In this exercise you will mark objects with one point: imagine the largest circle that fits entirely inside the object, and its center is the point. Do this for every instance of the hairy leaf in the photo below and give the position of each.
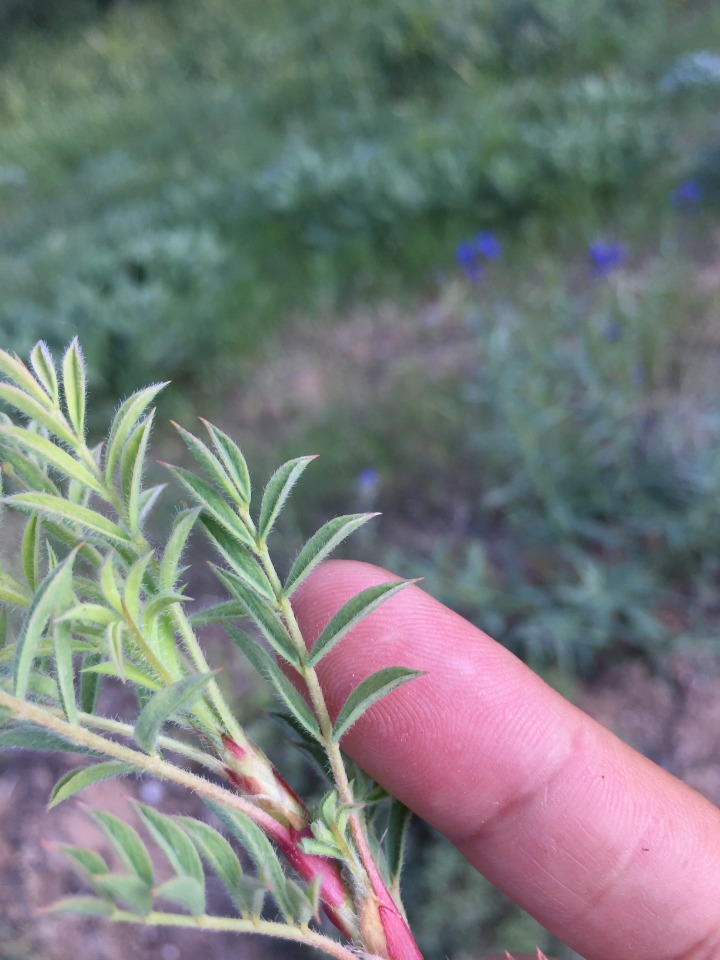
(186, 891)
(351, 613)
(368, 692)
(124, 889)
(12, 592)
(174, 843)
(53, 455)
(266, 619)
(221, 858)
(44, 367)
(211, 465)
(88, 906)
(90, 683)
(16, 371)
(321, 544)
(163, 704)
(73, 369)
(277, 491)
(243, 564)
(175, 547)
(268, 668)
(211, 501)
(91, 521)
(88, 861)
(260, 850)
(125, 422)
(133, 489)
(38, 411)
(63, 643)
(25, 472)
(127, 843)
(395, 840)
(232, 458)
(50, 595)
(27, 737)
(130, 672)
(77, 780)
(31, 551)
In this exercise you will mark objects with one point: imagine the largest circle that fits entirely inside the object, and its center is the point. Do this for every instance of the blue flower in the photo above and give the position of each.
(606, 257)
(688, 193)
(367, 481)
(487, 245)
(470, 255)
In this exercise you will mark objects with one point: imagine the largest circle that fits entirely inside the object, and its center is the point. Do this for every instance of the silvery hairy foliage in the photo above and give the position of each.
(91, 600)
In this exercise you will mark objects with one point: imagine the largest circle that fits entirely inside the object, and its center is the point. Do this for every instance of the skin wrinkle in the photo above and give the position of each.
(480, 728)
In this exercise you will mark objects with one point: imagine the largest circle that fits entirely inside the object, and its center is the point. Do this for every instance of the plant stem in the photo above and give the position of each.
(235, 925)
(154, 765)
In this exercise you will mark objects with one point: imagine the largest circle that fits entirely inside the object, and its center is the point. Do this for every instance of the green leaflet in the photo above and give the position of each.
(124, 889)
(232, 458)
(88, 861)
(186, 891)
(351, 613)
(368, 692)
(57, 508)
(321, 544)
(220, 857)
(12, 592)
(211, 465)
(211, 501)
(175, 547)
(77, 780)
(266, 619)
(129, 672)
(53, 592)
(38, 411)
(127, 843)
(243, 563)
(132, 469)
(53, 455)
(73, 379)
(31, 551)
(395, 837)
(44, 367)
(261, 853)
(269, 670)
(277, 491)
(26, 737)
(162, 705)
(25, 472)
(15, 370)
(174, 843)
(124, 423)
(87, 906)
(63, 643)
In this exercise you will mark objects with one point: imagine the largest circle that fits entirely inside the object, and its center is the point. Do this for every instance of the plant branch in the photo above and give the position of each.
(234, 925)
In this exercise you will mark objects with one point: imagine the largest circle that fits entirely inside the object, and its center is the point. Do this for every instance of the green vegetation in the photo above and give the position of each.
(232, 184)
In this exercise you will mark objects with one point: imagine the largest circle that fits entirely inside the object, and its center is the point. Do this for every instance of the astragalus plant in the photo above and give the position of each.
(91, 599)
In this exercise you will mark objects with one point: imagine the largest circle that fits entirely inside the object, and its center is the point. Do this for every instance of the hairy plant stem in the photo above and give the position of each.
(154, 765)
(234, 925)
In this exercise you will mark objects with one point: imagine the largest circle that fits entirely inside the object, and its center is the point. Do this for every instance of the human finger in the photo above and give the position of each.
(607, 850)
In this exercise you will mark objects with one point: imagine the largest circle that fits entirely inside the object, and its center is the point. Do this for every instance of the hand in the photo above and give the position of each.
(609, 852)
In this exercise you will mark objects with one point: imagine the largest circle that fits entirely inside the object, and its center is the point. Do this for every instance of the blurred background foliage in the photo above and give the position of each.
(199, 190)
